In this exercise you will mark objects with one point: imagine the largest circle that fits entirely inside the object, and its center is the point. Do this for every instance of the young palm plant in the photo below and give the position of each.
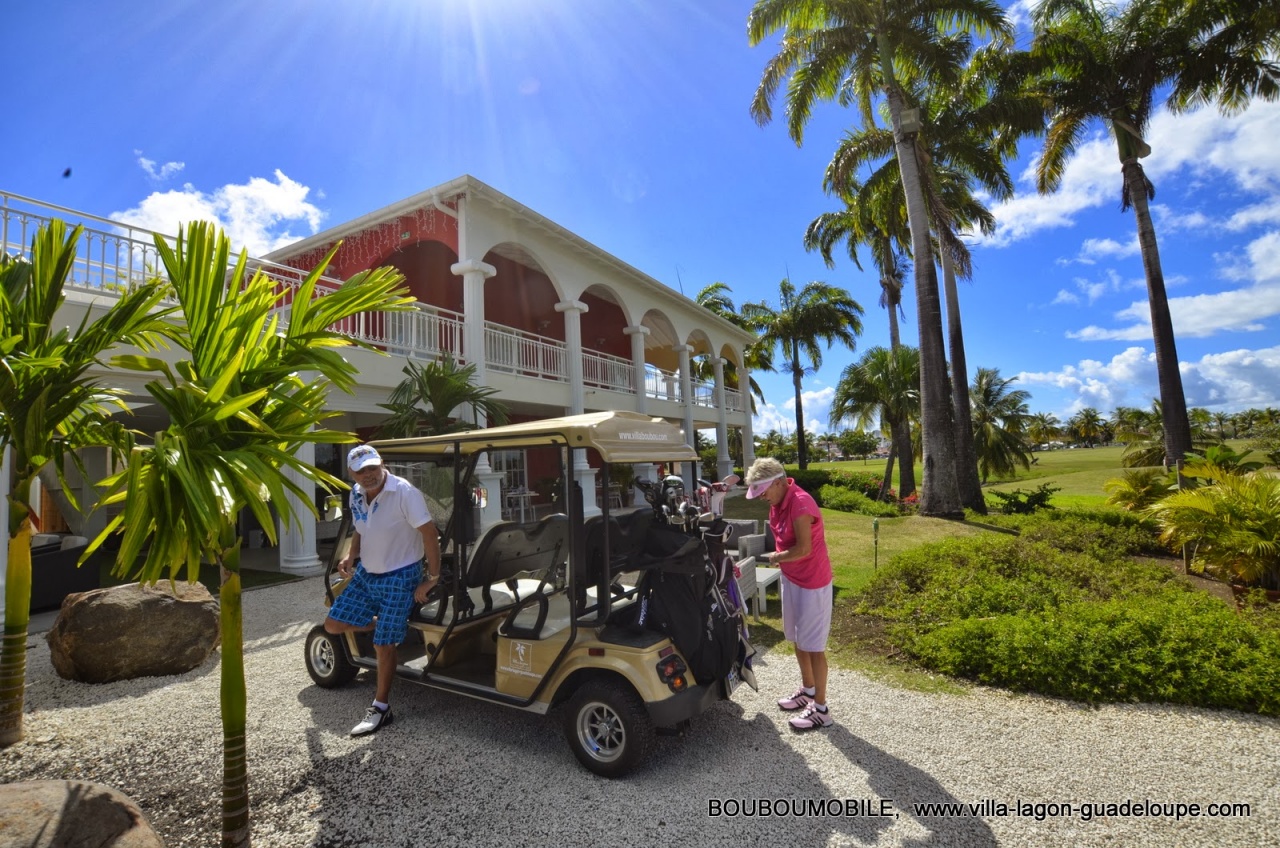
(253, 389)
(1138, 488)
(1232, 524)
(50, 406)
(424, 401)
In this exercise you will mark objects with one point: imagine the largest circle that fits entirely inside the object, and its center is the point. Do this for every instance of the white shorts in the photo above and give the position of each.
(806, 615)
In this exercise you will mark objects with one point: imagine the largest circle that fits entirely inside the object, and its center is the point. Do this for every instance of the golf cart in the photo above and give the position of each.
(624, 621)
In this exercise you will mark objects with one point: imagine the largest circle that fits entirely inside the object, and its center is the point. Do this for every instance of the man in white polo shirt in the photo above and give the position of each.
(394, 531)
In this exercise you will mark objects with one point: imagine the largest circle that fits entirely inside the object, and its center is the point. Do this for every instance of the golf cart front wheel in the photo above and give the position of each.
(608, 728)
(327, 660)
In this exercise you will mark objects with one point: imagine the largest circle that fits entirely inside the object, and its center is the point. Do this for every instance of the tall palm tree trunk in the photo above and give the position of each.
(235, 765)
(802, 448)
(899, 431)
(887, 482)
(901, 434)
(940, 495)
(1177, 427)
(966, 457)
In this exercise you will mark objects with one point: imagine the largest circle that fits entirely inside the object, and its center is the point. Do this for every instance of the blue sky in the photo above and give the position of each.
(626, 121)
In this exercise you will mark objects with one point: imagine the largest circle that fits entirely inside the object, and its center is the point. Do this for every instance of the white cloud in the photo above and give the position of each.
(1065, 296)
(817, 408)
(168, 169)
(252, 214)
(1231, 380)
(1105, 248)
(1258, 214)
(1243, 149)
(1203, 315)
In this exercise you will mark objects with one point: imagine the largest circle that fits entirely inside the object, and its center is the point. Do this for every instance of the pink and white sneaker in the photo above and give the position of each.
(798, 701)
(812, 718)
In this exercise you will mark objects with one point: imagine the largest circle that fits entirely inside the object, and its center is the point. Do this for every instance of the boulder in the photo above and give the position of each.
(132, 631)
(67, 813)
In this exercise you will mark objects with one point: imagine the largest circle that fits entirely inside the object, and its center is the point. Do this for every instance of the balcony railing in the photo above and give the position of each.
(513, 351)
(605, 371)
(113, 257)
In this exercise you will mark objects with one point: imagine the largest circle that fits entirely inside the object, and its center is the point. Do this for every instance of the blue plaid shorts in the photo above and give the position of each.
(388, 596)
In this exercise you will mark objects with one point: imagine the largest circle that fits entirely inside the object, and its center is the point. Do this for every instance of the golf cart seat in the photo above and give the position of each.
(508, 550)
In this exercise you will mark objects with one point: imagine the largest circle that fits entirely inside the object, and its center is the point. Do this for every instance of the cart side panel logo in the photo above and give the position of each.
(520, 659)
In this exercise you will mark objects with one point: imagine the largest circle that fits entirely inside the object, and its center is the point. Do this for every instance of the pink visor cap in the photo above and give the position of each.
(757, 488)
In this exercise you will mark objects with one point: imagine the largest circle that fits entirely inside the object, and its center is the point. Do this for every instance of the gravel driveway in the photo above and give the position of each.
(452, 771)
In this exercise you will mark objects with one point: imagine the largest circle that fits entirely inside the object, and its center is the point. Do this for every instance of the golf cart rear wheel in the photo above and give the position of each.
(608, 728)
(327, 661)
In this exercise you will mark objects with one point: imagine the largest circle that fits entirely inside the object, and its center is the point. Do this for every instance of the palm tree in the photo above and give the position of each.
(882, 389)
(968, 132)
(881, 226)
(818, 312)
(852, 50)
(757, 357)
(1106, 63)
(251, 393)
(1043, 427)
(423, 403)
(49, 408)
(1087, 427)
(999, 424)
(1142, 432)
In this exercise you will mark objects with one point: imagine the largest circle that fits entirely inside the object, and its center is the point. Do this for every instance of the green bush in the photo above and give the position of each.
(1057, 612)
(811, 480)
(1019, 502)
(835, 497)
(866, 482)
(1177, 647)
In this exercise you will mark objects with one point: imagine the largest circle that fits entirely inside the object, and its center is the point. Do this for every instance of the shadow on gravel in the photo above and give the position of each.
(904, 786)
(451, 770)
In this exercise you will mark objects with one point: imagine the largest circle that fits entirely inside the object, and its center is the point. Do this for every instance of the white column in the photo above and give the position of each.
(690, 472)
(637, 334)
(474, 273)
(298, 538)
(724, 465)
(582, 470)
(748, 438)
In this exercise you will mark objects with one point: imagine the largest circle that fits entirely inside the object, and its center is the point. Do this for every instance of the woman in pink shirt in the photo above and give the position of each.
(807, 595)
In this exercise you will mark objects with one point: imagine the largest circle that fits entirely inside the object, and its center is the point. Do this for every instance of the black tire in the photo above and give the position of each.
(608, 728)
(327, 660)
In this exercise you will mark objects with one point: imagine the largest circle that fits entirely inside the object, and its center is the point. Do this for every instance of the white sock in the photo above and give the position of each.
(822, 708)
(809, 690)
(381, 706)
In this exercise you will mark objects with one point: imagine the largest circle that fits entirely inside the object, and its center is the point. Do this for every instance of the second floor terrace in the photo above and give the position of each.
(503, 309)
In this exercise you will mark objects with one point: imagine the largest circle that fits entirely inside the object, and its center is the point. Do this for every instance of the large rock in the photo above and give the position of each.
(70, 814)
(134, 631)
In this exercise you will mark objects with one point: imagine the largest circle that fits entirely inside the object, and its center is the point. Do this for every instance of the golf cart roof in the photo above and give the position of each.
(618, 436)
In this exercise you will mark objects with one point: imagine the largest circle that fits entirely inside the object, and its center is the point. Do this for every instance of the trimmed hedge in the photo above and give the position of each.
(1062, 610)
